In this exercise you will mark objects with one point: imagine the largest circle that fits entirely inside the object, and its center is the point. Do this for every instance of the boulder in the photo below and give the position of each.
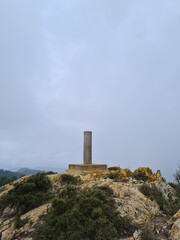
(175, 230)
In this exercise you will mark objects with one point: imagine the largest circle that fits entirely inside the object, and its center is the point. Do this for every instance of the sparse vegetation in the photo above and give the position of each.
(153, 193)
(176, 187)
(83, 214)
(28, 194)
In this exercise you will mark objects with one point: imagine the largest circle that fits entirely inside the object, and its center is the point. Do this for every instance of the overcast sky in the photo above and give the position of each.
(112, 67)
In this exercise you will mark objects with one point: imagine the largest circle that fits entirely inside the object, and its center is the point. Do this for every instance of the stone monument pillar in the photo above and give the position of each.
(87, 158)
(87, 147)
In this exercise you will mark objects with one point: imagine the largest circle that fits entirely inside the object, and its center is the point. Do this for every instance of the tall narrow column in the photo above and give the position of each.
(87, 147)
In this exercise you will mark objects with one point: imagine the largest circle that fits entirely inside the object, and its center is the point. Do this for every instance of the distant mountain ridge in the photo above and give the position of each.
(19, 173)
(28, 171)
(7, 176)
(10, 174)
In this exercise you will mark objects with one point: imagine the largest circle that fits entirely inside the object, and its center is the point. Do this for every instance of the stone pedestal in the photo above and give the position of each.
(88, 167)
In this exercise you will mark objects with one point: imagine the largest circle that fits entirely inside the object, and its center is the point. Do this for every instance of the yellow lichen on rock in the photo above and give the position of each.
(125, 172)
(158, 175)
(97, 174)
(152, 177)
(146, 170)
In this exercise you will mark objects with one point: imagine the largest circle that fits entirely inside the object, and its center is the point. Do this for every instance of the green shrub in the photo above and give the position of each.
(140, 175)
(6, 180)
(67, 179)
(18, 222)
(83, 214)
(50, 173)
(2, 189)
(177, 175)
(113, 175)
(115, 168)
(156, 195)
(176, 204)
(106, 189)
(28, 194)
(176, 188)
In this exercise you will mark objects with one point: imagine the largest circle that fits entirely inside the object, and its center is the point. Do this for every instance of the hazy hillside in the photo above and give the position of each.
(9, 174)
(28, 171)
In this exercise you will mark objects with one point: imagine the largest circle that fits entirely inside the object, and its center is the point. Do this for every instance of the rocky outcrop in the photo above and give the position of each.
(30, 219)
(174, 223)
(130, 201)
(152, 177)
(167, 191)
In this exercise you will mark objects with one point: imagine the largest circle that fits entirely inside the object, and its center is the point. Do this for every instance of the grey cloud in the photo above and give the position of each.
(109, 67)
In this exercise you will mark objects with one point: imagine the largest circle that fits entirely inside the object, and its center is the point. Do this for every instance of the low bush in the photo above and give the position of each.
(83, 214)
(6, 180)
(113, 175)
(106, 189)
(140, 175)
(176, 188)
(176, 205)
(177, 175)
(18, 222)
(115, 168)
(147, 234)
(68, 179)
(2, 189)
(28, 194)
(50, 173)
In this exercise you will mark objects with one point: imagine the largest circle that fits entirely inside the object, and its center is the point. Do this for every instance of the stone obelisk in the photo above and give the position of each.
(87, 147)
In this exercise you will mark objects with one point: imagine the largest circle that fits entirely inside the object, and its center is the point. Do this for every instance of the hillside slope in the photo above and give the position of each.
(145, 198)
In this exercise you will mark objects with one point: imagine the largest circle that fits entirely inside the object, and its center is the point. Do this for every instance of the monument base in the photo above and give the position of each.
(88, 167)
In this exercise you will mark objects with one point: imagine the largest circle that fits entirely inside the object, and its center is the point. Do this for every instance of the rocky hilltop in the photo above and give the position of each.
(144, 197)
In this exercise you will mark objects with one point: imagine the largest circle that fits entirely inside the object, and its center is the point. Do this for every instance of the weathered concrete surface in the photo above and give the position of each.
(88, 167)
(87, 147)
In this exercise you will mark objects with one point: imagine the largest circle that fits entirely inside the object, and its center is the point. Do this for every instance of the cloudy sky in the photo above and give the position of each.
(112, 67)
